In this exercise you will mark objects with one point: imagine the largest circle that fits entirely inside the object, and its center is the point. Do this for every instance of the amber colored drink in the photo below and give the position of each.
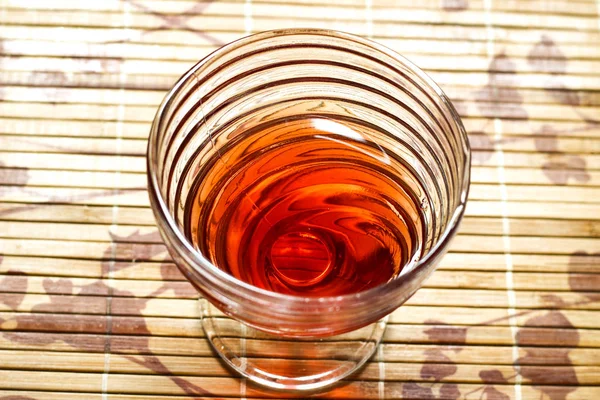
(309, 206)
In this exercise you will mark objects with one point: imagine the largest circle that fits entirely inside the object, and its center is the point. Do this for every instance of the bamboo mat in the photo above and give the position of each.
(91, 306)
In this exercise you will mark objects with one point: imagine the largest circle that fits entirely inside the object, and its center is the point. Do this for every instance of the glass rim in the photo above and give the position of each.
(203, 266)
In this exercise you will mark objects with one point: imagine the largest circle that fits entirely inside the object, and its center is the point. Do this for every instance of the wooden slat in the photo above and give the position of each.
(438, 62)
(394, 390)
(140, 114)
(64, 87)
(87, 96)
(103, 197)
(143, 216)
(521, 209)
(543, 144)
(47, 87)
(529, 394)
(74, 213)
(146, 51)
(580, 262)
(36, 395)
(492, 227)
(463, 317)
(558, 150)
(392, 352)
(534, 193)
(524, 111)
(381, 30)
(180, 307)
(85, 128)
(118, 162)
(73, 145)
(559, 7)
(147, 251)
(467, 109)
(530, 176)
(78, 162)
(78, 111)
(159, 385)
(87, 79)
(557, 147)
(79, 179)
(97, 233)
(138, 197)
(55, 248)
(148, 327)
(522, 244)
(517, 127)
(190, 366)
(531, 227)
(507, 19)
(52, 267)
(131, 180)
(37, 282)
(143, 251)
(558, 93)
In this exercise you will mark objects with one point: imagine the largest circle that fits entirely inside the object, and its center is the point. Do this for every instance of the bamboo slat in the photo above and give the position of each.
(150, 251)
(137, 197)
(193, 347)
(410, 29)
(527, 230)
(135, 180)
(147, 282)
(190, 366)
(581, 262)
(174, 68)
(301, 12)
(558, 7)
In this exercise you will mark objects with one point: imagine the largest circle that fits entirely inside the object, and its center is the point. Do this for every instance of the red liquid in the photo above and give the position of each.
(311, 207)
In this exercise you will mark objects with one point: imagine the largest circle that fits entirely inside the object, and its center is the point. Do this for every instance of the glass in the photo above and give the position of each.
(290, 341)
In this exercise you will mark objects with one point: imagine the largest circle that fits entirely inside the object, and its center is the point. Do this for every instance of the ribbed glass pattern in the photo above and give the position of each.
(278, 76)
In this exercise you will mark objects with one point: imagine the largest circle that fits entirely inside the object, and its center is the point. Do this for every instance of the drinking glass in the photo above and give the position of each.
(297, 342)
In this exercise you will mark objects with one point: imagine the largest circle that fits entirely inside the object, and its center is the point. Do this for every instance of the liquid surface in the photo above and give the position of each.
(310, 207)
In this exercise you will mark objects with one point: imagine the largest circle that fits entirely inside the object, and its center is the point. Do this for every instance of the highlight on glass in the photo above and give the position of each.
(306, 182)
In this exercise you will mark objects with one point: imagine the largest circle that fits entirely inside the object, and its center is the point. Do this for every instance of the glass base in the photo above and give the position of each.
(289, 363)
